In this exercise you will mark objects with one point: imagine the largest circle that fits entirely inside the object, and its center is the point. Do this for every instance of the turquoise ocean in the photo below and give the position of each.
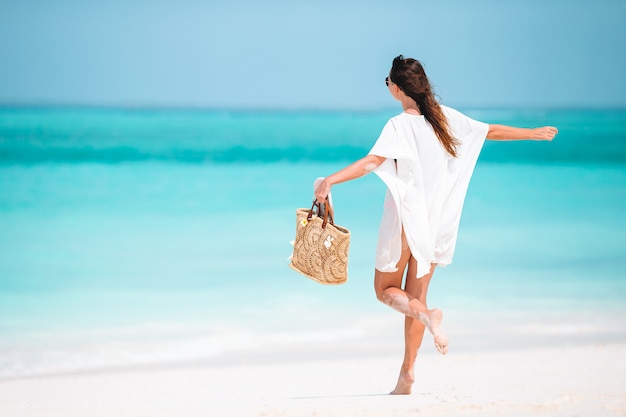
(134, 237)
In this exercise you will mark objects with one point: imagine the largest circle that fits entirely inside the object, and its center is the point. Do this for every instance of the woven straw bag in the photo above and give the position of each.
(320, 250)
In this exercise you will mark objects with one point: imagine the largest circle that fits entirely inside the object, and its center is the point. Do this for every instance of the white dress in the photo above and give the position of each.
(426, 187)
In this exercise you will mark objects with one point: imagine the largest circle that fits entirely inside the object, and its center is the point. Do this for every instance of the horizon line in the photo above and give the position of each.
(298, 109)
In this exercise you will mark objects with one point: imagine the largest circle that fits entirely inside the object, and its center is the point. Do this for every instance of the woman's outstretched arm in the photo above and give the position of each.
(355, 170)
(502, 132)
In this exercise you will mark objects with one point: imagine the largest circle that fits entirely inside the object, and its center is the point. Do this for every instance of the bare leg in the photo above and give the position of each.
(411, 306)
(412, 303)
(413, 330)
(413, 334)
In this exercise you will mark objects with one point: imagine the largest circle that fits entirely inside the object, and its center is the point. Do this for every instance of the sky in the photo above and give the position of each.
(310, 54)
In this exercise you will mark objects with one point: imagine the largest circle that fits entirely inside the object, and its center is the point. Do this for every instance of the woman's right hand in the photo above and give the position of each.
(322, 191)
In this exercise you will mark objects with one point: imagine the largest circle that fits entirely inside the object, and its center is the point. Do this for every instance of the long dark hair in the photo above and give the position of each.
(409, 75)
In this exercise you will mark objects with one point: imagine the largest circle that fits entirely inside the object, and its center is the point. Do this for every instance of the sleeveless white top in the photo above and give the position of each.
(426, 187)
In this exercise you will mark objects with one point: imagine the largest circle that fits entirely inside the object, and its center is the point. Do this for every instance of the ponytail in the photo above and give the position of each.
(409, 75)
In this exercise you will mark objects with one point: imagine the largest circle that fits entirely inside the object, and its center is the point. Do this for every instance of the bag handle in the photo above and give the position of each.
(328, 212)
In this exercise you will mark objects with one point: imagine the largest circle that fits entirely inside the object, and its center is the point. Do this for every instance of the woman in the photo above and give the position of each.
(425, 156)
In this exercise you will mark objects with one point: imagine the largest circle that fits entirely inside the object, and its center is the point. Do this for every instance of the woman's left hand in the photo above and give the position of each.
(544, 133)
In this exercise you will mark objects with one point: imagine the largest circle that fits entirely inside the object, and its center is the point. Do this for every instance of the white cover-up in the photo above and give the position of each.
(426, 187)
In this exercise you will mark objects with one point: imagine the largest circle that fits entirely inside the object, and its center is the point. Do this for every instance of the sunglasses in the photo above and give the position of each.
(387, 81)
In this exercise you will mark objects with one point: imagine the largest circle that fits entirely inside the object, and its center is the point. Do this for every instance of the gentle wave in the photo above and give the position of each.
(530, 153)
(237, 154)
(119, 155)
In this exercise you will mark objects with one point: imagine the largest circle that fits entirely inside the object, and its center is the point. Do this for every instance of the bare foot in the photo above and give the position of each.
(405, 382)
(441, 340)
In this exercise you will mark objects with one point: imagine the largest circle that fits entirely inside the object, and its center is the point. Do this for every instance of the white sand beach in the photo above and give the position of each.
(575, 381)
(579, 375)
